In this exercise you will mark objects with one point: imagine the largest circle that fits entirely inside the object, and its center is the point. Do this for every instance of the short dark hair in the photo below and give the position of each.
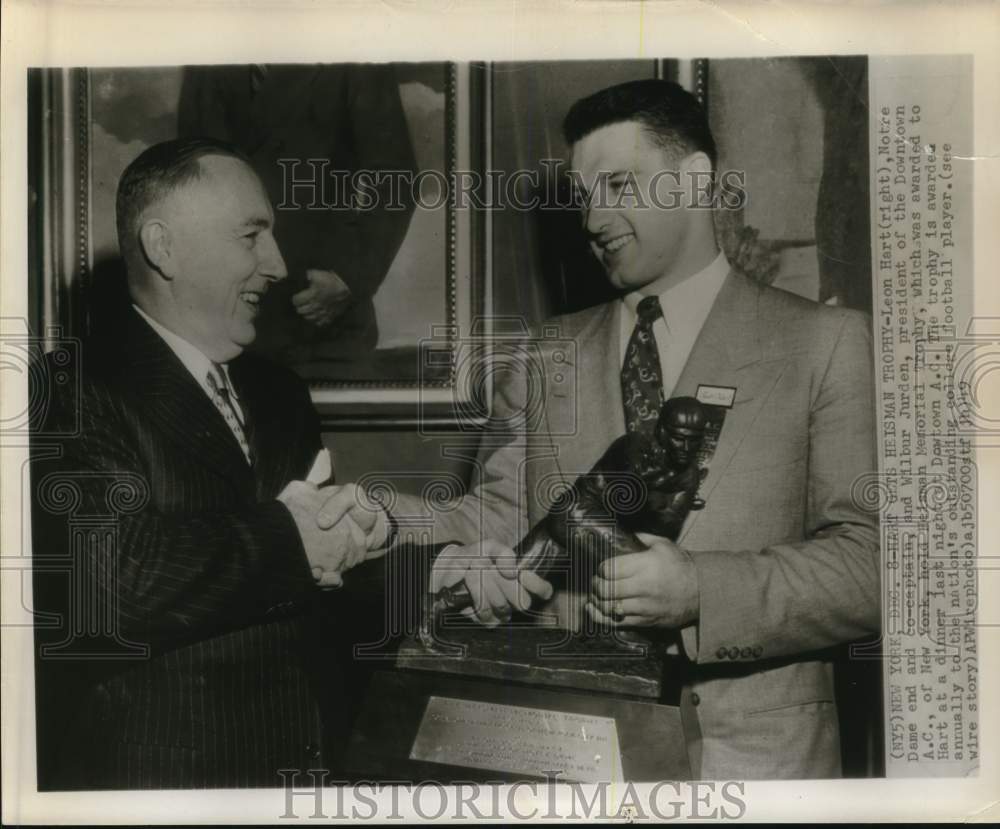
(155, 173)
(671, 115)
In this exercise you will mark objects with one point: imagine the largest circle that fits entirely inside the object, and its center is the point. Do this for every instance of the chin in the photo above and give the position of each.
(630, 284)
(244, 337)
(237, 346)
(629, 280)
(620, 281)
(229, 352)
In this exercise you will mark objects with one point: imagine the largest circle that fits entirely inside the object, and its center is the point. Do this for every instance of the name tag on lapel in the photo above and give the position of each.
(722, 396)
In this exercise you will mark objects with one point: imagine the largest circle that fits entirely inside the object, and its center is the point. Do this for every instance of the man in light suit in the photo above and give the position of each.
(188, 629)
(783, 562)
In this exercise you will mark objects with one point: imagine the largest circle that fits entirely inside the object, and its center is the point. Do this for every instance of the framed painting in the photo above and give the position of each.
(387, 273)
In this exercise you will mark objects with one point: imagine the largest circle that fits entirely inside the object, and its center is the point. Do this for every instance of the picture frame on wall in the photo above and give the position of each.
(387, 277)
(414, 344)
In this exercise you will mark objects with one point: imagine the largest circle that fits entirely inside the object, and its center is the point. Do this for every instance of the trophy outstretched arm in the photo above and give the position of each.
(536, 552)
(598, 516)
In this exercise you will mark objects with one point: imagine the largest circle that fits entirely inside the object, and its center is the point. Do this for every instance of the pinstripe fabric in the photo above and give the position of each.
(210, 574)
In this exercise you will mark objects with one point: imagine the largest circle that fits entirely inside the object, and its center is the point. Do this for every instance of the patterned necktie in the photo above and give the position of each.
(642, 382)
(223, 400)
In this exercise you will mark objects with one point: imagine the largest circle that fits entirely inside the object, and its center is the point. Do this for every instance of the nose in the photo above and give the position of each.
(272, 264)
(595, 219)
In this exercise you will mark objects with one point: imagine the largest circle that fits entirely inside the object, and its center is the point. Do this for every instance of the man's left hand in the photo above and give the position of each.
(326, 298)
(657, 587)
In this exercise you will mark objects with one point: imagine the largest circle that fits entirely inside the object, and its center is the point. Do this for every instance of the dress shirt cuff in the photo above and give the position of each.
(689, 639)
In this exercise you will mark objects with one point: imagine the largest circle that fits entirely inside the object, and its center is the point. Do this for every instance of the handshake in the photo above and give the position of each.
(340, 527)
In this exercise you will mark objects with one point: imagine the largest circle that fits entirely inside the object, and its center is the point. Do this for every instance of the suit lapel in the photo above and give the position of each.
(592, 418)
(729, 351)
(269, 443)
(175, 404)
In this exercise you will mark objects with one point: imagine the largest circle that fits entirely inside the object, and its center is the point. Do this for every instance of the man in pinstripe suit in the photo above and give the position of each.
(207, 570)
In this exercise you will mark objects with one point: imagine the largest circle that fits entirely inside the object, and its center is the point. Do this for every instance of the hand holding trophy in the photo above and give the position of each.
(640, 484)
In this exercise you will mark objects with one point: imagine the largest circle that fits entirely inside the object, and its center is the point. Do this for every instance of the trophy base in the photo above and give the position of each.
(523, 703)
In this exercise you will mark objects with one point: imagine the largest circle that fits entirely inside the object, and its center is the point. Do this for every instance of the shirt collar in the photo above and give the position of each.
(197, 364)
(689, 301)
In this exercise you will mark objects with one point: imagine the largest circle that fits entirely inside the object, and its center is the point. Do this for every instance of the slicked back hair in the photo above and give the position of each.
(671, 116)
(153, 175)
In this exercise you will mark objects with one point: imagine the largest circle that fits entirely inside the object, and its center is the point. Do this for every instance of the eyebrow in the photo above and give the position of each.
(256, 223)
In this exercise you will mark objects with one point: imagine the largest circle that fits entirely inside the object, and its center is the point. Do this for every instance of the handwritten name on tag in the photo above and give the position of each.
(716, 396)
(520, 740)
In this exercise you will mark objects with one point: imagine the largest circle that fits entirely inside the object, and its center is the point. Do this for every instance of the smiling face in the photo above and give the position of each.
(221, 259)
(637, 237)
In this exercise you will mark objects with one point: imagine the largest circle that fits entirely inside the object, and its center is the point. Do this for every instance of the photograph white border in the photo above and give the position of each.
(144, 33)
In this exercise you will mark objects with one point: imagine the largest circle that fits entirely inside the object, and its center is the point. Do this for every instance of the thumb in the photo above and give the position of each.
(335, 508)
(444, 572)
(301, 297)
(648, 539)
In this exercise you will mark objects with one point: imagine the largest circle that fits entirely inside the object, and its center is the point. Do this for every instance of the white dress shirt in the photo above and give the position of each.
(194, 361)
(685, 308)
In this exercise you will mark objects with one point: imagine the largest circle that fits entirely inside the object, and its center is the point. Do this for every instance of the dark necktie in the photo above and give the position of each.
(642, 382)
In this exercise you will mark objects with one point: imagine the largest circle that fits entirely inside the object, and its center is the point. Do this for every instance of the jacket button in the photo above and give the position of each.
(695, 699)
(722, 653)
(734, 653)
(745, 653)
(757, 651)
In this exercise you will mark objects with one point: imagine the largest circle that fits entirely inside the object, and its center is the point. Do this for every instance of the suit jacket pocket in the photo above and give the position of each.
(760, 692)
(794, 709)
(797, 741)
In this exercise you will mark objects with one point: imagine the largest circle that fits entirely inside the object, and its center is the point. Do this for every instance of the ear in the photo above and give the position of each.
(157, 246)
(698, 175)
